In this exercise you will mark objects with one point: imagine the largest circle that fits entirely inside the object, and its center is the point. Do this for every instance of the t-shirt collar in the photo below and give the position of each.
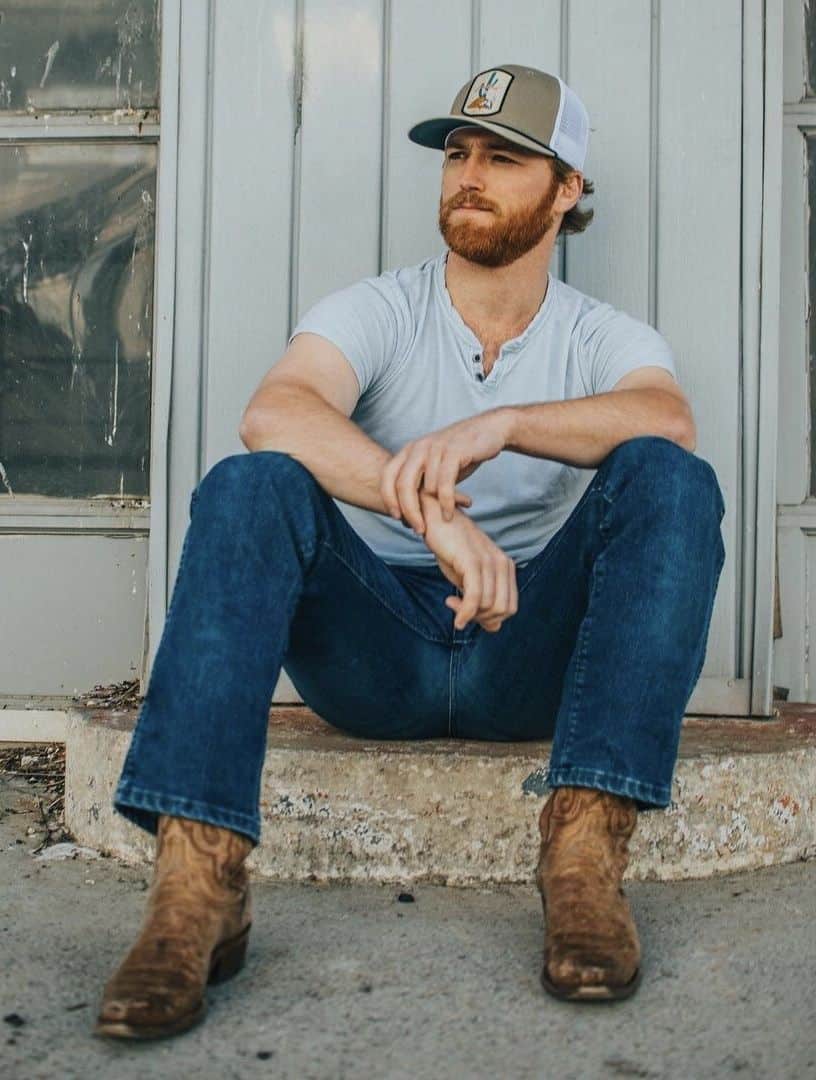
(464, 330)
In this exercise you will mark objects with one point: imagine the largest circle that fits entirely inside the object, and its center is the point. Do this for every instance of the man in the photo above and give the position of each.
(471, 510)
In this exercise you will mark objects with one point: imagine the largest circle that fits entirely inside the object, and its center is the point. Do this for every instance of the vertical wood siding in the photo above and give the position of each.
(313, 183)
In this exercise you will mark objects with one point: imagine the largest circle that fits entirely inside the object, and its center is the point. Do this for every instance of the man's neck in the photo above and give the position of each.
(500, 297)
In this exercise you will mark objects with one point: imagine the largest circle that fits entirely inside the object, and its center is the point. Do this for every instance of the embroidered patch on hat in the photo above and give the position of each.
(487, 93)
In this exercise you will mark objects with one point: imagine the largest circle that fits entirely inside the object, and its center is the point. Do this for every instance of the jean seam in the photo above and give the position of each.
(373, 592)
(598, 577)
(171, 608)
(451, 689)
(711, 602)
(545, 555)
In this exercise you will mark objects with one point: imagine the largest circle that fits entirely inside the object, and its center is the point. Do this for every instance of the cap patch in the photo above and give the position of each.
(487, 93)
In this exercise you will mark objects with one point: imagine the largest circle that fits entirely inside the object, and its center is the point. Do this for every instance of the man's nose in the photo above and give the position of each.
(472, 175)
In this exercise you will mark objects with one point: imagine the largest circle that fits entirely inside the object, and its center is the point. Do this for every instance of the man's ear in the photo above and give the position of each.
(572, 189)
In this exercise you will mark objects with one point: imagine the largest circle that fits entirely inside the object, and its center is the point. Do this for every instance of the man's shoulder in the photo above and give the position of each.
(580, 304)
(591, 314)
(406, 279)
(399, 286)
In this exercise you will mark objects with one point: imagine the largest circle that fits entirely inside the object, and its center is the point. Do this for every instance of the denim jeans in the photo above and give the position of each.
(602, 655)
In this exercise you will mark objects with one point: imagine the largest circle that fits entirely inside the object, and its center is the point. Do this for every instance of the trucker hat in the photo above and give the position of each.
(523, 105)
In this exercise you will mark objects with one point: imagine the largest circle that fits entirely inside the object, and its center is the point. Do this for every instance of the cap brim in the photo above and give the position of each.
(434, 132)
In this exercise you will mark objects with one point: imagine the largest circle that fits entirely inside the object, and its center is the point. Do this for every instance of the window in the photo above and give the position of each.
(78, 153)
(79, 54)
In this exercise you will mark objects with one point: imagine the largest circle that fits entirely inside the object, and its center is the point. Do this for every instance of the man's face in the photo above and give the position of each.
(497, 198)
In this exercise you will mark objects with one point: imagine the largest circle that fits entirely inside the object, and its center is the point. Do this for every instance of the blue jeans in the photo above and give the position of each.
(602, 655)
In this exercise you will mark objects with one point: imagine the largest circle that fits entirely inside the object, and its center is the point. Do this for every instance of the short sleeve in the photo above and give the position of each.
(612, 344)
(364, 323)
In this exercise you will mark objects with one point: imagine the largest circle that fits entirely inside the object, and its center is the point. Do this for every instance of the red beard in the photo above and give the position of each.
(494, 239)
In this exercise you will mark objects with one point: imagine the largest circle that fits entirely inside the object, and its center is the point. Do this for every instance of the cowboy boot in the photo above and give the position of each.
(592, 952)
(195, 932)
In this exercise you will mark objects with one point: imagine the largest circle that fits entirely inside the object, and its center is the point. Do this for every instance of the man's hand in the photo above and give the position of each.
(473, 563)
(437, 462)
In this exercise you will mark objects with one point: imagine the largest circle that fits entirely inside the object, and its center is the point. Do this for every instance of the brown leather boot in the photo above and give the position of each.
(195, 932)
(592, 952)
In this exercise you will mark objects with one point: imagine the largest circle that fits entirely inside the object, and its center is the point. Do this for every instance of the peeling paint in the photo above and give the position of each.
(26, 261)
(49, 60)
(114, 403)
(130, 29)
(5, 480)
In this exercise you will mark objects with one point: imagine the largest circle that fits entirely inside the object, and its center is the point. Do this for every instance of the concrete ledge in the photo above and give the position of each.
(337, 808)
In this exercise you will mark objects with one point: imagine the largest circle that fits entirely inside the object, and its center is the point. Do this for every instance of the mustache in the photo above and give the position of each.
(463, 201)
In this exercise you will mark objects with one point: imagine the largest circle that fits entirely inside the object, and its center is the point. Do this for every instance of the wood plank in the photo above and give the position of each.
(609, 68)
(698, 256)
(441, 35)
(248, 221)
(532, 36)
(338, 225)
(793, 446)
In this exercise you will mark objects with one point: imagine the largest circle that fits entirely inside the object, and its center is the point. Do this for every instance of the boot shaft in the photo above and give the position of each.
(201, 857)
(584, 826)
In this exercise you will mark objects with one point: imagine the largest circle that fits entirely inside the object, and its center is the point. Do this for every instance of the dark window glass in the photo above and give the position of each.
(76, 313)
(78, 54)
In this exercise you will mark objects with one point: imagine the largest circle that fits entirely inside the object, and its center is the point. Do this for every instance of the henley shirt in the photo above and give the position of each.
(419, 367)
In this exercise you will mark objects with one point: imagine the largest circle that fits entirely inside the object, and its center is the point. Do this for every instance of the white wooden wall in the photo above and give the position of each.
(296, 177)
(794, 658)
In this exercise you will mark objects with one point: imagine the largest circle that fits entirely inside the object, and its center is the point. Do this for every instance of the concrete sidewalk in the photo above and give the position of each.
(347, 981)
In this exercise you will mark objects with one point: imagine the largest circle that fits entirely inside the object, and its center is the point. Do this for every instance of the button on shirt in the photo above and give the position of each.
(420, 368)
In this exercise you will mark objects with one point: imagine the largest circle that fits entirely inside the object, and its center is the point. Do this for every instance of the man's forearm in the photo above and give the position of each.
(341, 457)
(585, 430)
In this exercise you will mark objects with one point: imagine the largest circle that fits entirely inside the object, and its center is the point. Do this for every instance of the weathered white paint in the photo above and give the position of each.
(610, 65)
(79, 610)
(698, 281)
(793, 657)
(763, 381)
(33, 725)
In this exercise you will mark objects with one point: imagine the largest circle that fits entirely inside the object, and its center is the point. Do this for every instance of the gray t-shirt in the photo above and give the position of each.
(419, 369)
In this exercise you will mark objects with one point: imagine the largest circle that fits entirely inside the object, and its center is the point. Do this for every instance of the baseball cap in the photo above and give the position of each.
(523, 105)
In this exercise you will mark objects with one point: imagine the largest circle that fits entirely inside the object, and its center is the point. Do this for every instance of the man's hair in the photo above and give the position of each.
(575, 220)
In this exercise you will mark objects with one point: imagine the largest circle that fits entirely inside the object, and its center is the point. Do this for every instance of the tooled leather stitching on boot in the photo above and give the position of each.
(591, 935)
(199, 897)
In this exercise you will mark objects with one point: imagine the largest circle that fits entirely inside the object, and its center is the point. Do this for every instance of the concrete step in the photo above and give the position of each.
(336, 808)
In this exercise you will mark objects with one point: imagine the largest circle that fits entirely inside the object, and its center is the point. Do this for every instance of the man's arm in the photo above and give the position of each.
(580, 432)
(585, 430)
(302, 408)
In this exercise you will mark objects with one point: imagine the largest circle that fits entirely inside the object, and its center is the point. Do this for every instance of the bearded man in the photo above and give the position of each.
(471, 510)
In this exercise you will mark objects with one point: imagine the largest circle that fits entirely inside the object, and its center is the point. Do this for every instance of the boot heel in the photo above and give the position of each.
(228, 958)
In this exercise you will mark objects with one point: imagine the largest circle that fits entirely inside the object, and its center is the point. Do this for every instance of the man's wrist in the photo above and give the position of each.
(432, 511)
(505, 420)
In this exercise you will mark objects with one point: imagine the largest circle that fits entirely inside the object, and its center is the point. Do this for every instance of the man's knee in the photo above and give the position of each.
(665, 474)
(262, 470)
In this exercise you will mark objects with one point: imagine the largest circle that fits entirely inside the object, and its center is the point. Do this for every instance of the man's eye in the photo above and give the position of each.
(500, 157)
